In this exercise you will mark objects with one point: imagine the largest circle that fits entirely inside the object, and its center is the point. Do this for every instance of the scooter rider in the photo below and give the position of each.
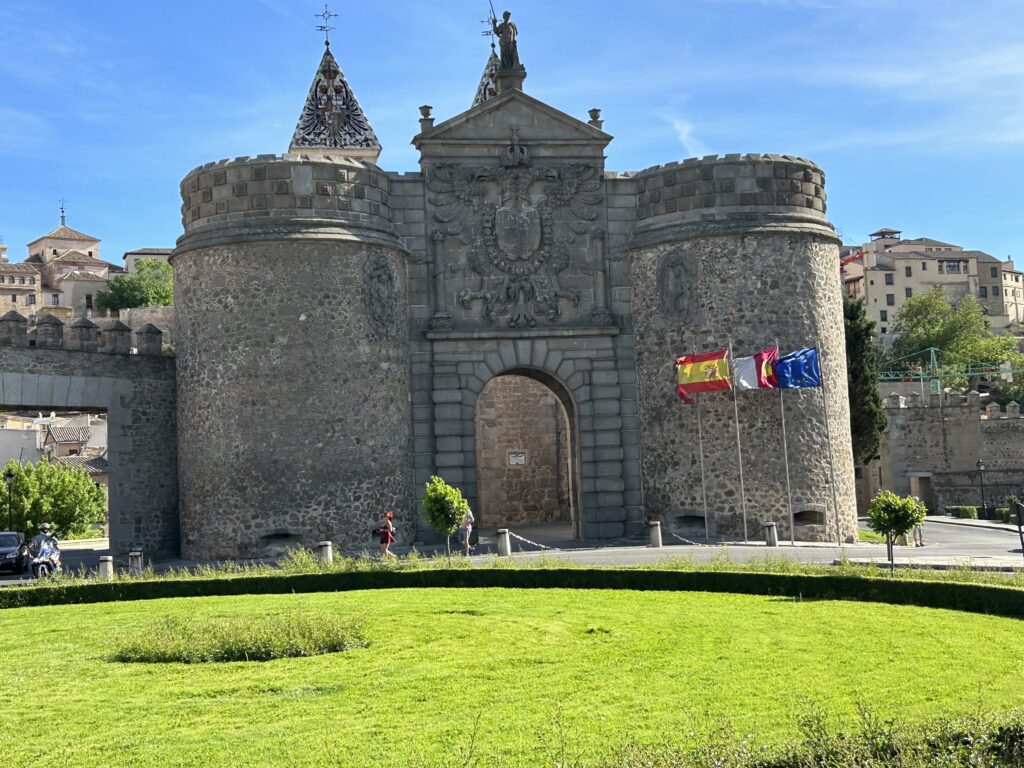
(45, 538)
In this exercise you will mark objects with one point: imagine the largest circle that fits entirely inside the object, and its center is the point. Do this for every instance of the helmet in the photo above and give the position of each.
(44, 527)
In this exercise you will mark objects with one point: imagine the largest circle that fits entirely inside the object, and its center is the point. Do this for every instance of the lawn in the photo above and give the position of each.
(539, 668)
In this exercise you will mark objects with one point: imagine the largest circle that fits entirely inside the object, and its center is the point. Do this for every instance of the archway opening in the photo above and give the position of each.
(527, 456)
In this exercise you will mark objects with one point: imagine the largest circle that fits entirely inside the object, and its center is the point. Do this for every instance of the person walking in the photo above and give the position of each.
(387, 534)
(465, 531)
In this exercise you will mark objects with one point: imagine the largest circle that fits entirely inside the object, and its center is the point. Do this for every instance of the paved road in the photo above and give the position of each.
(946, 543)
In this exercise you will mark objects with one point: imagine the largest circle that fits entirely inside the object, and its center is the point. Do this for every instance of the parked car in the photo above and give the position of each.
(13, 552)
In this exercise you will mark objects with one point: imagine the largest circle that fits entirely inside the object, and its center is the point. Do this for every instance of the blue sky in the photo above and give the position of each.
(914, 108)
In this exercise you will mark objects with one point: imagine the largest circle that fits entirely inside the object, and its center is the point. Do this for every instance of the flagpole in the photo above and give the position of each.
(828, 436)
(785, 461)
(703, 485)
(739, 450)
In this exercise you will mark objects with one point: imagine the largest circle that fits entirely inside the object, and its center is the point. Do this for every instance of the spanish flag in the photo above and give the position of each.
(706, 372)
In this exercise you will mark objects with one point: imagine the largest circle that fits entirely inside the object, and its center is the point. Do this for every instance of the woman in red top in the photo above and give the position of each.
(387, 534)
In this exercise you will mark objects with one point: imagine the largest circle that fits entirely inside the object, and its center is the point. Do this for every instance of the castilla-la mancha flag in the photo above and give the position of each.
(756, 372)
(704, 372)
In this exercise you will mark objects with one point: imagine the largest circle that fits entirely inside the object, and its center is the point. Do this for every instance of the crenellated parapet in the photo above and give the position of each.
(83, 335)
(732, 192)
(285, 195)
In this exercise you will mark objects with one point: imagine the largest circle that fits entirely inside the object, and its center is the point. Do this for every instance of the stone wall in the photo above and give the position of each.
(943, 437)
(522, 454)
(752, 264)
(138, 394)
(294, 421)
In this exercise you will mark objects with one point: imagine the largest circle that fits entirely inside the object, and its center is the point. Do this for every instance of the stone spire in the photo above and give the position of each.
(488, 87)
(332, 118)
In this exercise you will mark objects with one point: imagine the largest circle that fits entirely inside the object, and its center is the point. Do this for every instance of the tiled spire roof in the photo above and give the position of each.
(488, 87)
(332, 118)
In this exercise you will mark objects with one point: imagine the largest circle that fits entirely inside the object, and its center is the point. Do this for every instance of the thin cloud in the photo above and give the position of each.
(22, 131)
(684, 131)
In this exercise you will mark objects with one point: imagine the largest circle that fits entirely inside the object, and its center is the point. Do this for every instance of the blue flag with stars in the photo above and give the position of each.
(799, 369)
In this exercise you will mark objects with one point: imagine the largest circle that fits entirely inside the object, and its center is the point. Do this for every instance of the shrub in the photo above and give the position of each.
(963, 513)
(1003, 514)
(894, 516)
(443, 507)
(263, 638)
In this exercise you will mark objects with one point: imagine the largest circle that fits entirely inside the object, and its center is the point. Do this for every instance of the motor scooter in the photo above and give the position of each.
(46, 560)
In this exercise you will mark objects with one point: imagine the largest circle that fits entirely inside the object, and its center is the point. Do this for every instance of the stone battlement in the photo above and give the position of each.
(354, 192)
(731, 186)
(83, 335)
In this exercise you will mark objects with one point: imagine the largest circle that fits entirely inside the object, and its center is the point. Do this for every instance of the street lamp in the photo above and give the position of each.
(9, 479)
(981, 478)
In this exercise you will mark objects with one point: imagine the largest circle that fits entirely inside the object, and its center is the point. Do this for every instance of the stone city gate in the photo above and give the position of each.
(580, 369)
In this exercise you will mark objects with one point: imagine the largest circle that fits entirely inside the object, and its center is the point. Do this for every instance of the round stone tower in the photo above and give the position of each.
(293, 349)
(738, 249)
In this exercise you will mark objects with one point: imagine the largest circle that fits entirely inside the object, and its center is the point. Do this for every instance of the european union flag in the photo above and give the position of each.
(799, 369)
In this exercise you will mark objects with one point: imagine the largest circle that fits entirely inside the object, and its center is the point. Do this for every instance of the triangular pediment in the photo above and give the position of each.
(491, 121)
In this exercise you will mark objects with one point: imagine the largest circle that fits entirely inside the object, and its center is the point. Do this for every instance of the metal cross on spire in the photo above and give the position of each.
(326, 27)
(489, 31)
(62, 201)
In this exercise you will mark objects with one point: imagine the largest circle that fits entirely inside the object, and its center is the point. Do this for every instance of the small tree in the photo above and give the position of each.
(894, 516)
(444, 508)
(151, 285)
(867, 416)
(68, 499)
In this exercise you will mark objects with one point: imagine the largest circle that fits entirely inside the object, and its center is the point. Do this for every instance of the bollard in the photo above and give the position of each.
(771, 535)
(135, 562)
(504, 543)
(106, 567)
(325, 552)
(653, 533)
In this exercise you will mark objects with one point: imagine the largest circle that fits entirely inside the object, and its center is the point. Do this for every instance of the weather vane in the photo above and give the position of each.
(326, 27)
(489, 23)
(62, 201)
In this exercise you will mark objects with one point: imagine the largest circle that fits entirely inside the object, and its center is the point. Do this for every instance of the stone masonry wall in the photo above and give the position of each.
(759, 272)
(519, 417)
(138, 394)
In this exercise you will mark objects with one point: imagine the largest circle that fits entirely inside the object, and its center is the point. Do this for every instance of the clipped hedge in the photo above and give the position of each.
(973, 598)
(963, 513)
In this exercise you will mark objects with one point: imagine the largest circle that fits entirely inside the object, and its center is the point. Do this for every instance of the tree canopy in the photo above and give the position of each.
(962, 330)
(867, 416)
(67, 498)
(150, 285)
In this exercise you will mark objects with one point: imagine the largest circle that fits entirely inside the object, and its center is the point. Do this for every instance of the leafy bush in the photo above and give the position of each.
(443, 506)
(264, 638)
(963, 513)
(1003, 515)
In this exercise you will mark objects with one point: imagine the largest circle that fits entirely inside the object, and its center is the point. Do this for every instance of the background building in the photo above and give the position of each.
(888, 270)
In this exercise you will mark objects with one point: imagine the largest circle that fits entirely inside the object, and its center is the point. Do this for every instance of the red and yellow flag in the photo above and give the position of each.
(704, 372)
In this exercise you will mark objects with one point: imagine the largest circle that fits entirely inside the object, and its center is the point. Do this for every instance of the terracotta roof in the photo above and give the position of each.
(70, 434)
(156, 251)
(19, 267)
(66, 233)
(94, 465)
(927, 241)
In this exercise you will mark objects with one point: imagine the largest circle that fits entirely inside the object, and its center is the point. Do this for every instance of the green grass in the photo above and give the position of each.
(592, 669)
(204, 640)
(870, 536)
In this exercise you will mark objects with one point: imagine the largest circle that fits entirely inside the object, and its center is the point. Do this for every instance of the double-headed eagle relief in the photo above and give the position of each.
(332, 117)
(517, 224)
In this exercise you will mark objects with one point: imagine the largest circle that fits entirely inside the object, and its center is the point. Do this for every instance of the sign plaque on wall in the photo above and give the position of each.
(516, 458)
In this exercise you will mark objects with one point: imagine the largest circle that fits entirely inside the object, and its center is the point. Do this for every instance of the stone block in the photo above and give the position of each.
(608, 484)
(606, 407)
(611, 499)
(450, 459)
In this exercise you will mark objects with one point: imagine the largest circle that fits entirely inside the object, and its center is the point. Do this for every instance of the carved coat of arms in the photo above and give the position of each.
(517, 224)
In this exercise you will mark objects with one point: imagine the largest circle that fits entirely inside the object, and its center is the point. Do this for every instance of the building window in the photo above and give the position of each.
(907, 271)
(871, 282)
(10, 279)
(888, 278)
(884, 329)
(31, 299)
(908, 292)
(951, 267)
(55, 298)
(924, 266)
(883, 315)
(995, 290)
(890, 300)
(88, 301)
(14, 298)
(21, 280)
(983, 292)
(994, 271)
(31, 281)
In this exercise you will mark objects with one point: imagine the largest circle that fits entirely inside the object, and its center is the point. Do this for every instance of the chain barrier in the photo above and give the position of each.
(527, 541)
(680, 538)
